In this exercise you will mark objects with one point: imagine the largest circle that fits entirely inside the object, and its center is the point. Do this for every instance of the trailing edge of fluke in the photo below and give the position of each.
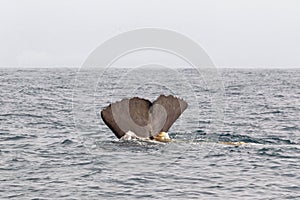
(142, 117)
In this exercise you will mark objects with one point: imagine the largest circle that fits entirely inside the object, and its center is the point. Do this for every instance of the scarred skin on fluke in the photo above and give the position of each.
(140, 118)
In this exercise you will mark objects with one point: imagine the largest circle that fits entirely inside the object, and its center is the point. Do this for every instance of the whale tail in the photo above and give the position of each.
(144, 118)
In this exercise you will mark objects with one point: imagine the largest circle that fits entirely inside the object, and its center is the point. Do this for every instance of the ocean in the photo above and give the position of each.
(54, 145)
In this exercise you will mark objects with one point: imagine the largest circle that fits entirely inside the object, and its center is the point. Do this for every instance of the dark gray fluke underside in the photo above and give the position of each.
(143, 117)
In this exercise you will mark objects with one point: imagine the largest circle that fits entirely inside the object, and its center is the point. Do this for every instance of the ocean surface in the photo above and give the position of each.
(54, 145)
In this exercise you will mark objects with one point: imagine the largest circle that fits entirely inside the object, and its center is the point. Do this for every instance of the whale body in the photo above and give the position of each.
(143, 118)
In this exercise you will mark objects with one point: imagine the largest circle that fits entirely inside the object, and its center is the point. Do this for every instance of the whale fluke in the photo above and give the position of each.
(141, 116)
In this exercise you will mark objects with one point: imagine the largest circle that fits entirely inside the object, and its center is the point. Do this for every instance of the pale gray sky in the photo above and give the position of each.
(234, 33)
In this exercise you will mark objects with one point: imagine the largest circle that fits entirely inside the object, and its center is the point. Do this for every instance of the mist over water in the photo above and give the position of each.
(53, 143)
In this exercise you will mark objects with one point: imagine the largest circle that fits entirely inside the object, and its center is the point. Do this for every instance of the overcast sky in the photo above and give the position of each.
(234, 33)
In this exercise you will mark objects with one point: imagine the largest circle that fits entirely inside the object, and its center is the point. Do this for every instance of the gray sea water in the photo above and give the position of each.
(54, 145)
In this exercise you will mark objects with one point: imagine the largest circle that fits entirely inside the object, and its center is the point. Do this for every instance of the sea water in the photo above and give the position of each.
(54, 145)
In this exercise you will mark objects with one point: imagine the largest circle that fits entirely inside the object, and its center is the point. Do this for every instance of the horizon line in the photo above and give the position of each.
(175, 67)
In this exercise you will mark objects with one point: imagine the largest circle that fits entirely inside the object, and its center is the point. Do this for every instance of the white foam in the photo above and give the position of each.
(129, 135)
